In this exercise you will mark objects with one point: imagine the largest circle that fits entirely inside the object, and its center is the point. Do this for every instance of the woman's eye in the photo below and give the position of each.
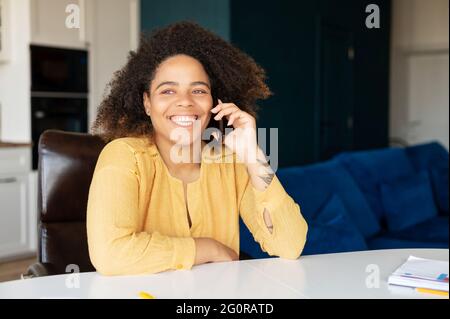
(199, 91)
(167, 92)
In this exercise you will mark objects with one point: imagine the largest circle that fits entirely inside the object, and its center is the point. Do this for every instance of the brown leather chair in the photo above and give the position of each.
(66, 164)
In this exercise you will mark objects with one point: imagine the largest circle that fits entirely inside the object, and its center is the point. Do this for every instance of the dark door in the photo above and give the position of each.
(336, 91)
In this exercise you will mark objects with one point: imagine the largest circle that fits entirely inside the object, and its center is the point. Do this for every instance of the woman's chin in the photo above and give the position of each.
(187, 140)
(186, 135)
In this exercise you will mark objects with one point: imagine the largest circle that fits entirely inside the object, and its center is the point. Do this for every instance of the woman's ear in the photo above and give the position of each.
(147, 104)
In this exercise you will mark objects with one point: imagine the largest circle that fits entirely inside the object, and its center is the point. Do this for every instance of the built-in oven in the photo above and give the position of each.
(61, 113)
(59, 91)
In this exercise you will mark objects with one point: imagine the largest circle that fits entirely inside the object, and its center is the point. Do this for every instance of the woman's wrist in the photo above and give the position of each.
(260, 172)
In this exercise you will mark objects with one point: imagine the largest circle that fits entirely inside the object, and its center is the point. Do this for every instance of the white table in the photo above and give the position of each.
(343, 275)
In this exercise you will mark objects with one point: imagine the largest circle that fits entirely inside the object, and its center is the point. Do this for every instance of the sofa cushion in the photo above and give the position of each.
(434, 158)
(333, 231)
(427, 155)
(439, 178)
(432, 230)
(311, 187)
(408, 201)
(371, 168)
(383, 242)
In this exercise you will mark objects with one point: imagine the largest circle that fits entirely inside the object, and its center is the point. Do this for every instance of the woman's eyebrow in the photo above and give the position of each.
(201, 83)
(176, 83)
(166, 82)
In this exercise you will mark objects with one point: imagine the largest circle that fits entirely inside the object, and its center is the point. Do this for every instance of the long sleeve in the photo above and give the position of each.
(117, 244)
(288, 237)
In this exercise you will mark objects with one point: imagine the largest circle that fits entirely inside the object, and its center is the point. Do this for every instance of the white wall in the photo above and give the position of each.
(115, 31)
(419, 71)
(15, 77)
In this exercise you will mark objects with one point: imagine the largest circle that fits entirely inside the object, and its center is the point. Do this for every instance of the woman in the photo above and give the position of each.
(148, 211)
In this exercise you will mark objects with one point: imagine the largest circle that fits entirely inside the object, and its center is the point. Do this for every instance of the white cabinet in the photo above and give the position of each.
(82, 23)
(17, 203)
(49, 27)
(13, 213)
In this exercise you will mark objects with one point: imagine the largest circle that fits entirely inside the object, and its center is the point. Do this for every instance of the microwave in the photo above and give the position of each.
(58, 70)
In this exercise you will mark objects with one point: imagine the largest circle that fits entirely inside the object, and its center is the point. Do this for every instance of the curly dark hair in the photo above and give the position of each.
(235, 77)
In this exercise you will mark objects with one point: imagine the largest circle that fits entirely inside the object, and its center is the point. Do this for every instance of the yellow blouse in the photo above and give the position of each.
(137, 220)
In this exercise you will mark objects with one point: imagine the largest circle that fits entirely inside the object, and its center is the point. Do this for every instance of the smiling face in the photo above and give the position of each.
(180, 95)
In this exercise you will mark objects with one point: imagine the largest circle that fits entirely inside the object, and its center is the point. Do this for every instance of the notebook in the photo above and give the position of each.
(421, 273)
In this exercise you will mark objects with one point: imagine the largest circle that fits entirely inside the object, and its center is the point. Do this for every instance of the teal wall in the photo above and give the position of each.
(283, 37)
(211, 14)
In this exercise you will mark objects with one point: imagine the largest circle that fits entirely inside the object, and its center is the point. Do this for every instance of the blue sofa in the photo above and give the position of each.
(377, 199)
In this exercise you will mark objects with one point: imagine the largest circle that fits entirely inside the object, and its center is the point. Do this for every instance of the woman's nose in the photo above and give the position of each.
(185, 101)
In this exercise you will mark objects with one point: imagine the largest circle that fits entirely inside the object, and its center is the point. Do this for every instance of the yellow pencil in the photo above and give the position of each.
(146, 295)
(432, 291)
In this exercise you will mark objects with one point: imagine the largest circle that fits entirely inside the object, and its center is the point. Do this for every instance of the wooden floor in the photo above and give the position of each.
(13, 269)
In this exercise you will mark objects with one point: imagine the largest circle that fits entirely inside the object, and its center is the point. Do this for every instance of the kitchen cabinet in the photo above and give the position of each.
(58, 23)
(17, 202)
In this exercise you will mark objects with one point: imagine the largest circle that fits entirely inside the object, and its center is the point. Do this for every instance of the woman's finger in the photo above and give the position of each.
(226, 111)
(222, 106)
(236, 115)
(243, 119)
(218, 107)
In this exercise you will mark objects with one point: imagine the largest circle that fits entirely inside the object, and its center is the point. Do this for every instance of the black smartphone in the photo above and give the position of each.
(221, 124)
(222, 127)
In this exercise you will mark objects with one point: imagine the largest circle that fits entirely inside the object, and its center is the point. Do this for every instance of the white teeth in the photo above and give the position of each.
(183, 120)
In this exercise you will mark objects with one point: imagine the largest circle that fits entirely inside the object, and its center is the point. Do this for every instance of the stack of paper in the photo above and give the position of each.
(421, 273)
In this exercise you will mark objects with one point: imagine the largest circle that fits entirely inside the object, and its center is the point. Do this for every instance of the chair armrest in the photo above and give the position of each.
(39, 270)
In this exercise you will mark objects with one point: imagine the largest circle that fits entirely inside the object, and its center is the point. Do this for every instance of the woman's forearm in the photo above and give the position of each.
(261, 175)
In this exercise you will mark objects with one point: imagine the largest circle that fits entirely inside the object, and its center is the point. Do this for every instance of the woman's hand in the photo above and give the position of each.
(224, 253)
(242, 140)
(211, 250)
